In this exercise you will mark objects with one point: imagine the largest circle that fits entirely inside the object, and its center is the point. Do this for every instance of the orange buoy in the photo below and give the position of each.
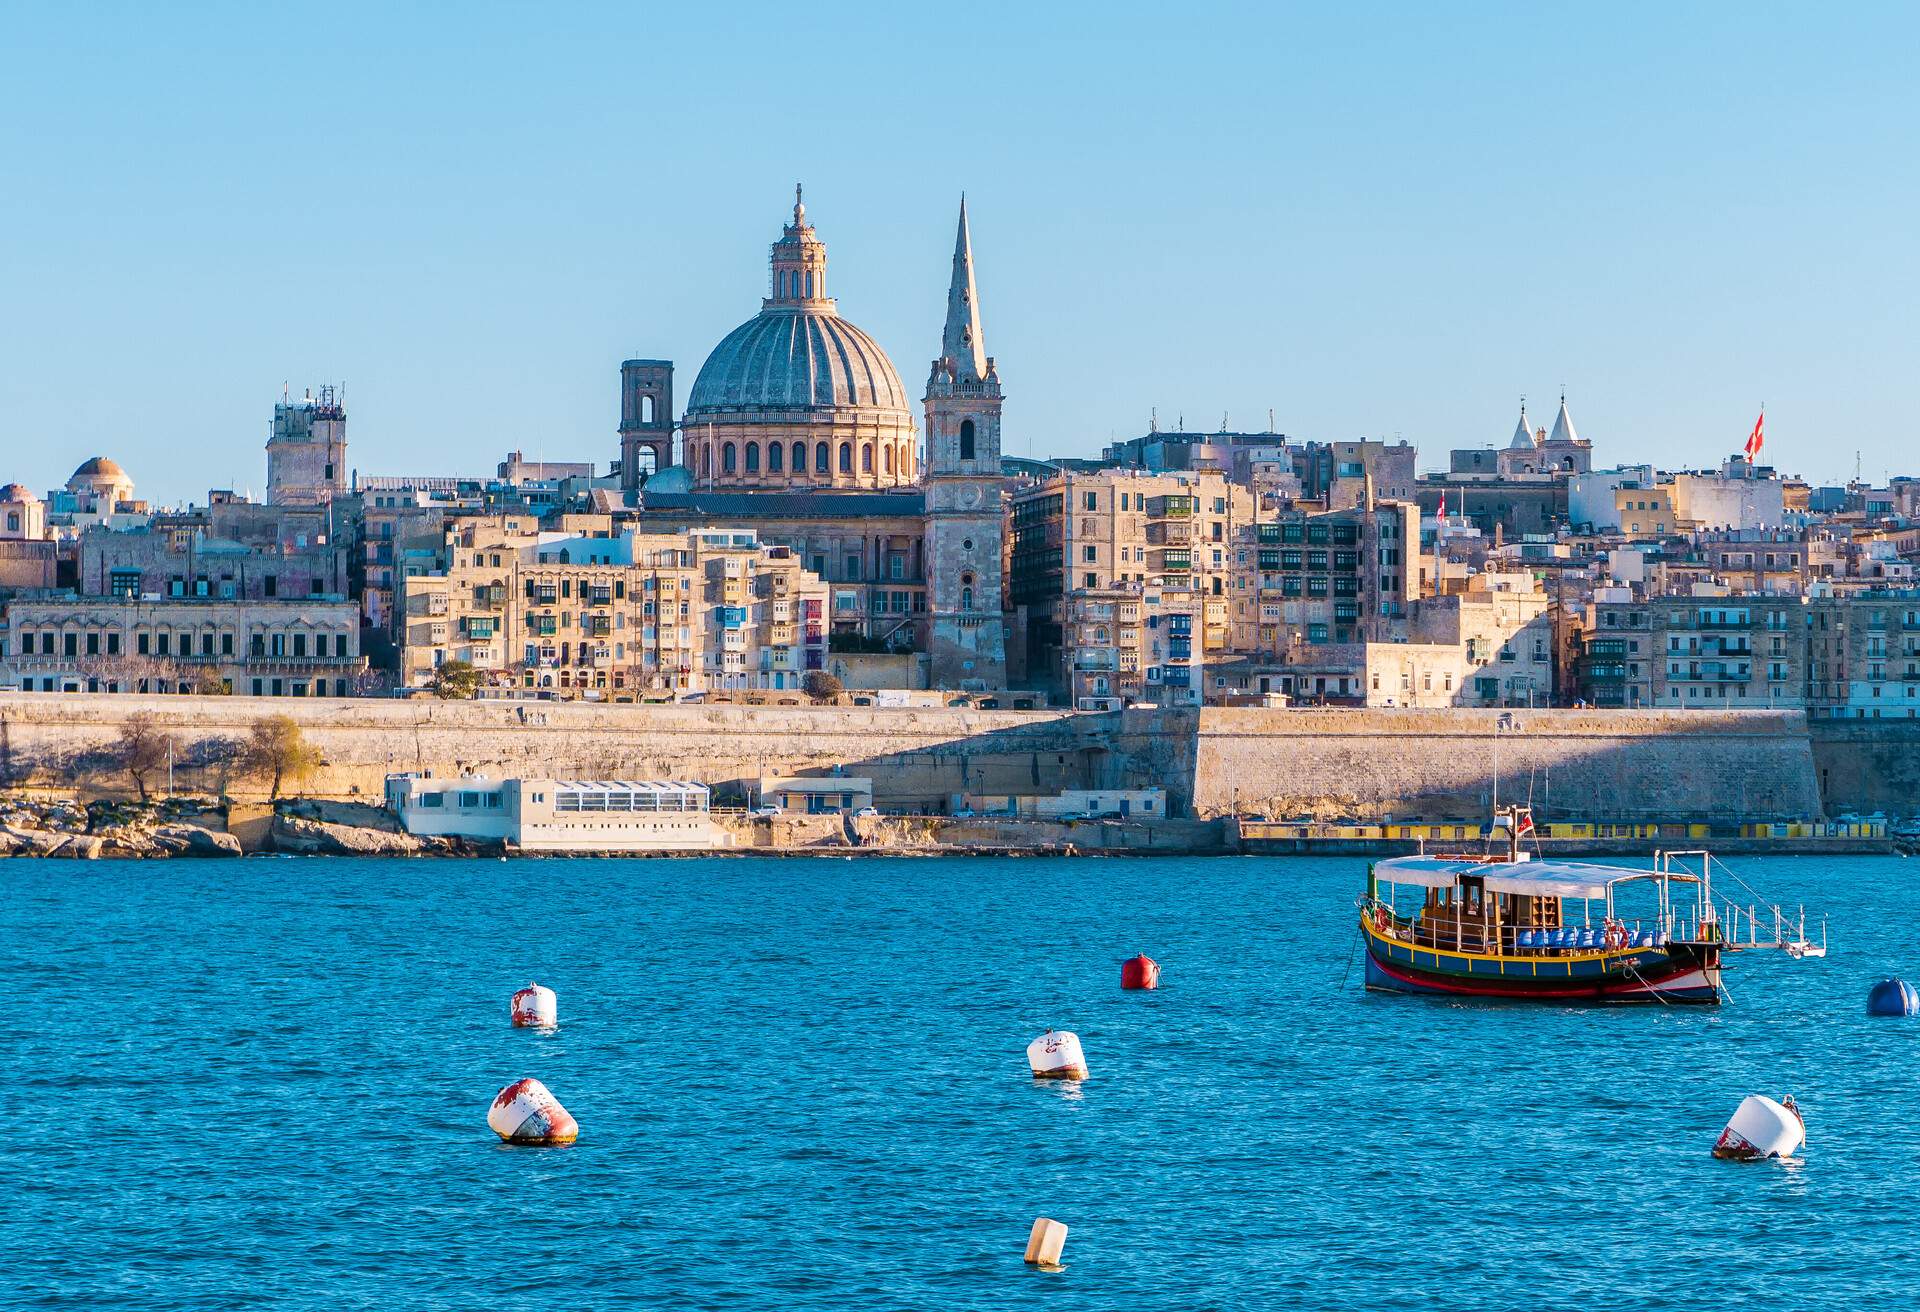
(1141, 972)
(525, 1112)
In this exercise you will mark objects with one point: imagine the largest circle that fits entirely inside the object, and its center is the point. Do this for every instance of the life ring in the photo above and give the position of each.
(1616, 937)
(1380, 919)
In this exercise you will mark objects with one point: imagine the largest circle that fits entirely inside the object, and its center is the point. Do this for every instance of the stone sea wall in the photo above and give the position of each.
(1622, 765)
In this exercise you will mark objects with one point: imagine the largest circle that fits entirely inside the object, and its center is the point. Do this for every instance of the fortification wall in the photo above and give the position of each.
(1328, 763)
(916, 757)
(1692, 765)
(1868, 765)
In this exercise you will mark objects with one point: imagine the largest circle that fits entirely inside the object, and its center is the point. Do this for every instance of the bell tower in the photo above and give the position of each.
(966, 628)
(646, 419)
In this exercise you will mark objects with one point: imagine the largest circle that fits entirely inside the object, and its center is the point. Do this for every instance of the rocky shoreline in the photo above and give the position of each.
(186, 827)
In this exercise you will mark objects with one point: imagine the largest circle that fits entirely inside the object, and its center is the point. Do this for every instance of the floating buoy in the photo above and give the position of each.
(534, 1005)
(1141, 972)
(1056, 1055)
(1893, 997)
(1045, 1243)
(525, 1112)
(1762, 1128)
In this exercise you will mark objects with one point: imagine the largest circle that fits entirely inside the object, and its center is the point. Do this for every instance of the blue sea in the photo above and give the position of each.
(801, 1084)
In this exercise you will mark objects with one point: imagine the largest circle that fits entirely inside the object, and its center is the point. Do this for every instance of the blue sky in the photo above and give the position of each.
(1372, 220)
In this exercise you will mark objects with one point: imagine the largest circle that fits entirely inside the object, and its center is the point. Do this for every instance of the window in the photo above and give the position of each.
(821, 458)
(753, 457)
(1090, 554)
(726, 458)
(775, 461)
(866, 457)
(966, 439)
(846, 457)
(1092, 501)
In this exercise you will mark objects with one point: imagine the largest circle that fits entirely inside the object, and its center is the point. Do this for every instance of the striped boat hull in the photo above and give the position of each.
(1676, 973)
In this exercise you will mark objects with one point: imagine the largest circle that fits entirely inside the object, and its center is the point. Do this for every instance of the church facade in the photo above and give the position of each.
(798, 426)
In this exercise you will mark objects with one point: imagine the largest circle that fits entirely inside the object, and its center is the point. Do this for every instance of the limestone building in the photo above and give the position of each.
(307, 451)
(702, 610)
(966, 637)
(799, 428)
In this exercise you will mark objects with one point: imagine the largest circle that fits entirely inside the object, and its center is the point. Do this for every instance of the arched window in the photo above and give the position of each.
(866, 457)
(846, 457)
(800, 457)
(886, 458)
(726, 458)
(775, 457)
(809, 285)
(966, 439)
(753, 457)
(646, 409)
(706, 462)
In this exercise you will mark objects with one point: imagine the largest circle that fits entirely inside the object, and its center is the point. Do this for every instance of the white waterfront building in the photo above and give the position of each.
(559, 815)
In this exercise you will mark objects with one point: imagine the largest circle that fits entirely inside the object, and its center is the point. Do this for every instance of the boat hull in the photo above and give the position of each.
(1676, 973)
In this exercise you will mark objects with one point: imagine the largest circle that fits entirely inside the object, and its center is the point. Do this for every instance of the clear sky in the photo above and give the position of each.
(1371, 220)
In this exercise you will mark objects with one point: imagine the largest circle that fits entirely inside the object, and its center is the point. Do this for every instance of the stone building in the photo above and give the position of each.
(966, 636)
(307, 450)
(623, 616)
(309, 647)
(1341, 576)
(796, 397)
(1165, 536)
(799, 428)
(23, 516)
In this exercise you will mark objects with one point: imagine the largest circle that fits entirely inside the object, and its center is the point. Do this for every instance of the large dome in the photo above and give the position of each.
(796, 397)
(789, 358)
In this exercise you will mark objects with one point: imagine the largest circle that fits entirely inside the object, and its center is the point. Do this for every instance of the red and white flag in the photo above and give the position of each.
(1441, 513)
(1758, 437)
(1523, 825)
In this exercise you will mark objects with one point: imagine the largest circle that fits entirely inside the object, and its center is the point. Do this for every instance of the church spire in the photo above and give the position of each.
(962, 342)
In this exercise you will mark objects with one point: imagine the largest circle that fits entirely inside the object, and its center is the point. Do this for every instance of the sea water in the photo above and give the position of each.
(801, 1084)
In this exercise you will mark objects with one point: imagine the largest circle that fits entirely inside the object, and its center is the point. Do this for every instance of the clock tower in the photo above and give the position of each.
(965, 522)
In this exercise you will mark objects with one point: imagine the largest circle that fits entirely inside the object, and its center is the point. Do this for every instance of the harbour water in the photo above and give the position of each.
(801, 1084)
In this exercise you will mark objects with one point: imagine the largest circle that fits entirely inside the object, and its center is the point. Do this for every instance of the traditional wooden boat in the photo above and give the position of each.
(1525, 928)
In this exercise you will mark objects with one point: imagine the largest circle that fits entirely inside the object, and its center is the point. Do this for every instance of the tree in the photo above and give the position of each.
(208, 683)
(142, 748)
(277, 748)
(455, 681)
(821, 686)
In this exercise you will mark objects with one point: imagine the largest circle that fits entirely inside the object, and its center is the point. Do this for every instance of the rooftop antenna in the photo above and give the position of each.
(1269, 419)
(1153, 419)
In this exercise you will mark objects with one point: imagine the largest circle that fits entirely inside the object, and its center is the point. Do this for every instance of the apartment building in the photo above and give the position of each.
(1312, 579)
(629, 614)
(1863, 655)
(1165, 540)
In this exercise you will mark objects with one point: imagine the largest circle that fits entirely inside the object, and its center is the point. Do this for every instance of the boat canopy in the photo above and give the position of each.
(1529, 878)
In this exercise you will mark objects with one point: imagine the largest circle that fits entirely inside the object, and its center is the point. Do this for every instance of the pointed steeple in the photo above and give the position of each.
(1523, 435)
(963, 343)
(1563, 426)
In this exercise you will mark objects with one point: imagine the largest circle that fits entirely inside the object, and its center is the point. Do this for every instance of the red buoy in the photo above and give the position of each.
(1141, 972)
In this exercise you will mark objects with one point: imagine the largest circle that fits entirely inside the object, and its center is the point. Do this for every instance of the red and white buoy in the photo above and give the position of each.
(1141, 972)
(1056, 1055)
(535, 1006)
(1762, 1128)
(525, 1112)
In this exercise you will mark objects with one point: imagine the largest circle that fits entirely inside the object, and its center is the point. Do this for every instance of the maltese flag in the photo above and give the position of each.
(1758, 437)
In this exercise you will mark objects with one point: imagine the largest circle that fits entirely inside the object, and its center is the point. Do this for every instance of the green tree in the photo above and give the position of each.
(278, 749)
(142, 748)
(821, 686)
(455, 681)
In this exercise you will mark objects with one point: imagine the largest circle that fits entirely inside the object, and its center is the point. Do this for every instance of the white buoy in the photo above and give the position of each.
(525, 1112)
(1045, 1243)
(1056, 1055)
(1762, 1128)
(534, 1005)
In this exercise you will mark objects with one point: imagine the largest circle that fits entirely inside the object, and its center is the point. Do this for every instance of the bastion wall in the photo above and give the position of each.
(1408, 763)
